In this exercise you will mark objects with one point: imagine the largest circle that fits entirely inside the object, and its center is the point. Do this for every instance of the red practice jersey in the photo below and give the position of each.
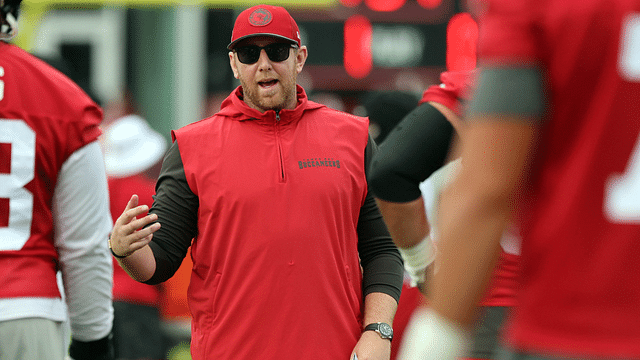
(454, 89)
(580, 258)
(44, 118)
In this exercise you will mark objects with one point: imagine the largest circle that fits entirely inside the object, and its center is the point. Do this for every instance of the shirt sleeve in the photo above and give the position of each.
(82, 225)
(418, 146)
(383, 270)
(177, 209)
(454, 90)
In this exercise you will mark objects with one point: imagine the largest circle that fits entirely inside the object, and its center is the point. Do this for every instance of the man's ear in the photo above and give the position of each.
(301, 58)
(234, 66)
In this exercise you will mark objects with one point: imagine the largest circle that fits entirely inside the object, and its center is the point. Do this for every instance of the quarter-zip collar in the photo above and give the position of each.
(235, 108)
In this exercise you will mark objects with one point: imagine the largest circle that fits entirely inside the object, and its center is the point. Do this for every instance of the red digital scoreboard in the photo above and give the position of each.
(364, 44)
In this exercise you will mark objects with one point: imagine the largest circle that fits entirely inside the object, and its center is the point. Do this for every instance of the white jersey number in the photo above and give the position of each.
(622, 194)
(22, 141)
(629, 53)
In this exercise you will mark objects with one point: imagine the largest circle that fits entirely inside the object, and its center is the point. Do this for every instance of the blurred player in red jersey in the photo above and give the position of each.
(385, 110)
(553, 141)
(132, 170)
(416, 150)
(54, 211)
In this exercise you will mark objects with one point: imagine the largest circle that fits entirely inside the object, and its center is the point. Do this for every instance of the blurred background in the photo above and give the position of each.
(169, 57)
(166, 60)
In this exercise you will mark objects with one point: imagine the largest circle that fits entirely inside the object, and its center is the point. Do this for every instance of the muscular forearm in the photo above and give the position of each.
(407, 222)
(475, 210)
(379, 307)
(466, 268)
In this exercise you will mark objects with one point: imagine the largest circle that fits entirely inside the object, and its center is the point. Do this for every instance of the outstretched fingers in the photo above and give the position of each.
(131, 211)
(141, 238)
(131, 233)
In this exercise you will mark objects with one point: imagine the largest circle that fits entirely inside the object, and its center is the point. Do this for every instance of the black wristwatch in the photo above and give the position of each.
(383, 329)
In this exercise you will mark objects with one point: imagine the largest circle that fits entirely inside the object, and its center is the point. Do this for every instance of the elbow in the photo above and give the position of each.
(390, 184)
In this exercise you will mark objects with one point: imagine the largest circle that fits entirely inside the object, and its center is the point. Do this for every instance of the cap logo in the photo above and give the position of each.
(260, 17)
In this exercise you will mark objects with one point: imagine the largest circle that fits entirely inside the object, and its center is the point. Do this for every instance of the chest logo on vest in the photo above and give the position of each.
(319, 162)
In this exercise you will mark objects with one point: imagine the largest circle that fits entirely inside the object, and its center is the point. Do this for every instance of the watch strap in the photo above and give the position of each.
(383, 329)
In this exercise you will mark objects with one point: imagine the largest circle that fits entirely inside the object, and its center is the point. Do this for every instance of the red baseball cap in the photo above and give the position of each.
(265, 20)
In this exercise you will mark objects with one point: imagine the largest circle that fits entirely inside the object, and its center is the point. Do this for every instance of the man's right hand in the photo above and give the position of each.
(129, 233)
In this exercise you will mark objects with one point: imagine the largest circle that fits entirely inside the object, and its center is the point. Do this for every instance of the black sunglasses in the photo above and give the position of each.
(276, 52)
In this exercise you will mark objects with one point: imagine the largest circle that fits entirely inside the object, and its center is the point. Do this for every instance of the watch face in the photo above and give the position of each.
(385, 330)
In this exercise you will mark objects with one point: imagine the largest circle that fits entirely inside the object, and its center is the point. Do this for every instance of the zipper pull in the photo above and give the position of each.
(278, 115)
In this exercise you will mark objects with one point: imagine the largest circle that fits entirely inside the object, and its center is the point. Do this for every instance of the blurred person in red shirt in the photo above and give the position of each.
(409, 171)
(553, 142)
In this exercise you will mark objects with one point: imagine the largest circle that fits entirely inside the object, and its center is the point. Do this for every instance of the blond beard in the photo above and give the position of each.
(261, 103)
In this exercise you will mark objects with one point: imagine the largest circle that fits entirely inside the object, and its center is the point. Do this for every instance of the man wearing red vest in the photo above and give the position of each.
(291, 257)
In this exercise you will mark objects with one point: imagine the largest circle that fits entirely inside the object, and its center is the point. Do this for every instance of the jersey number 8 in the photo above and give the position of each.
(22, 149)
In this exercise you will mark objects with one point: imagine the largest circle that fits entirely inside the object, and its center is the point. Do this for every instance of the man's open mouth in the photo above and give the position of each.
(267, 83)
